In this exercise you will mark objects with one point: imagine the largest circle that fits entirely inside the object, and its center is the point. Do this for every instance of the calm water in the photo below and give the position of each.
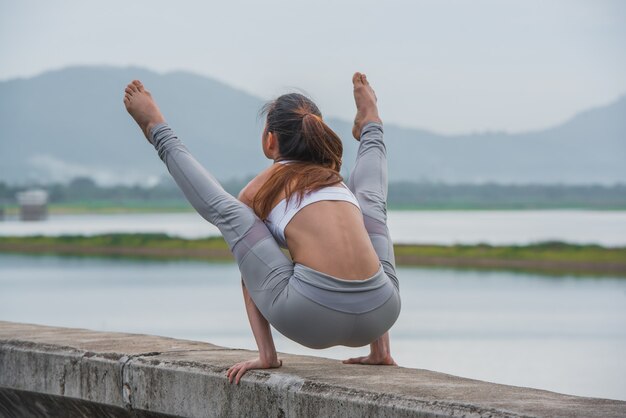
(441, 227)
(563, 334)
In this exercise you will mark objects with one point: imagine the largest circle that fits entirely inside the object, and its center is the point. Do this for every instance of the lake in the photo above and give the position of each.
(606, 228)
(563, 334)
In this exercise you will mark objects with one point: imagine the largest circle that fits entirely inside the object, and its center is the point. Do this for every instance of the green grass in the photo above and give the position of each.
(503, 207)
(174, 206)
(121, 240)
(546, 251)
(107, 207)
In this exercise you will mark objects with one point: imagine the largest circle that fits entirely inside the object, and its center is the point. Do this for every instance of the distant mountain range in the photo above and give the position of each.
(72, 122)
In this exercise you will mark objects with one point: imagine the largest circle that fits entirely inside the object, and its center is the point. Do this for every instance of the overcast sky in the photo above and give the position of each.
(448, 66)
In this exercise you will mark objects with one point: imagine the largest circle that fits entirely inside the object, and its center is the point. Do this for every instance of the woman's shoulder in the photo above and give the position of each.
(251, 189)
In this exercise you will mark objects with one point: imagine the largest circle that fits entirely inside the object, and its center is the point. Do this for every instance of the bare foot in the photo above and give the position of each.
(365, 99)
(142, 107)
(373, 360)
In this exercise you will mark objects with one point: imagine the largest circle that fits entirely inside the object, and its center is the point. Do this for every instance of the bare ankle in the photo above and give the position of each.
(372, 119)
(151, 125)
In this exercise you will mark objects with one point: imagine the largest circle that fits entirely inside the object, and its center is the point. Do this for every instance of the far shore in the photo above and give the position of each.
(552, 258)
(105, 208)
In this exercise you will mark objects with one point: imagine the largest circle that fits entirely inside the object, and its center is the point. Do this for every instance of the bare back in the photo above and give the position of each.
(328, 236)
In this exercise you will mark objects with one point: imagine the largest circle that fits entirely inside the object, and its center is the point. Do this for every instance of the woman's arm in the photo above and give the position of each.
(268, 358)
(260, 326)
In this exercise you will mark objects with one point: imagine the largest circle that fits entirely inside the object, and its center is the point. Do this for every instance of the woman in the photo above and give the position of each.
(340, 288)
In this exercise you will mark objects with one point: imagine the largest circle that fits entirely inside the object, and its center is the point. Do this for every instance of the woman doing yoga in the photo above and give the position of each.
(340, 285)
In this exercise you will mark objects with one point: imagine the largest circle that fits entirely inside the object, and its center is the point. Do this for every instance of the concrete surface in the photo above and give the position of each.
(44, 370)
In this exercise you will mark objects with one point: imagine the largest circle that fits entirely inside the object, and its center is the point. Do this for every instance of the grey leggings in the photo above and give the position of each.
(307, 306)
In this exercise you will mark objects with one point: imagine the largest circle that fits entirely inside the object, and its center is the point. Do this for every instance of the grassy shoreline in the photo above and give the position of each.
(552, 258)
(105, 208)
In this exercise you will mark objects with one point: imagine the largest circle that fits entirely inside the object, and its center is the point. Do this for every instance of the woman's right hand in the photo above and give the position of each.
(236, 371)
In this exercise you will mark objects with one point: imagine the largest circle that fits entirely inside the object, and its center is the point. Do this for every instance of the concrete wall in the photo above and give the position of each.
(52, 371)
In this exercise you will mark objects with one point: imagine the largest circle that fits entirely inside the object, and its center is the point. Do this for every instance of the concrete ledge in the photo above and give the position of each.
(117, 374)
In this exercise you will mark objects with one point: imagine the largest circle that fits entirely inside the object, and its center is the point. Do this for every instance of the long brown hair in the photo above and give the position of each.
(313, 150)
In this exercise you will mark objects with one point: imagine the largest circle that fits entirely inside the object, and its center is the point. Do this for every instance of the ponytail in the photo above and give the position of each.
(323, 142)
(312, 147)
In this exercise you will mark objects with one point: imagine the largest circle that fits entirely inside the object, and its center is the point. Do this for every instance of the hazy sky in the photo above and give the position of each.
(448, 66)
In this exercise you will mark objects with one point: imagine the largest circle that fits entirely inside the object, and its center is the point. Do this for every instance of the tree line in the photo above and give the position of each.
(409, 195)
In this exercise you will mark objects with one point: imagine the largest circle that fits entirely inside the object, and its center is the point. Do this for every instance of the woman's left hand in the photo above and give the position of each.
(238, 370)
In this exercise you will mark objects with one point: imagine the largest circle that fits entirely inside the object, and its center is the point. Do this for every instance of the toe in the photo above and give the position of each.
(138, 84)
(133, 87)
(364, 79)
(128, 90)
(356, 78)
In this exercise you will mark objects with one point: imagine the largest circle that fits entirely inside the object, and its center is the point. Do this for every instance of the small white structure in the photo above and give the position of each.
(33, 205)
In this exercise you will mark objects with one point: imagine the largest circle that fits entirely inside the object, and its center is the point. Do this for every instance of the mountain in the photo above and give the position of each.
(72, 122)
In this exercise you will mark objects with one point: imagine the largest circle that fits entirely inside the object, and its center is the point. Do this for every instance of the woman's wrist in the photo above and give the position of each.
(268, 354)
(268, 360)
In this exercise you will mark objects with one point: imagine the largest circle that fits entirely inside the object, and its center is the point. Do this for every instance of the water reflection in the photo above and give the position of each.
(607, 228)
(563, 334)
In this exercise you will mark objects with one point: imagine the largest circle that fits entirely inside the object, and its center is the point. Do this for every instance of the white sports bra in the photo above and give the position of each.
(284, 211)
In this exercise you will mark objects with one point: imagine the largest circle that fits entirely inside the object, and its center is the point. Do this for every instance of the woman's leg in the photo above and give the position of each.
(368, 180)
(265, 269)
